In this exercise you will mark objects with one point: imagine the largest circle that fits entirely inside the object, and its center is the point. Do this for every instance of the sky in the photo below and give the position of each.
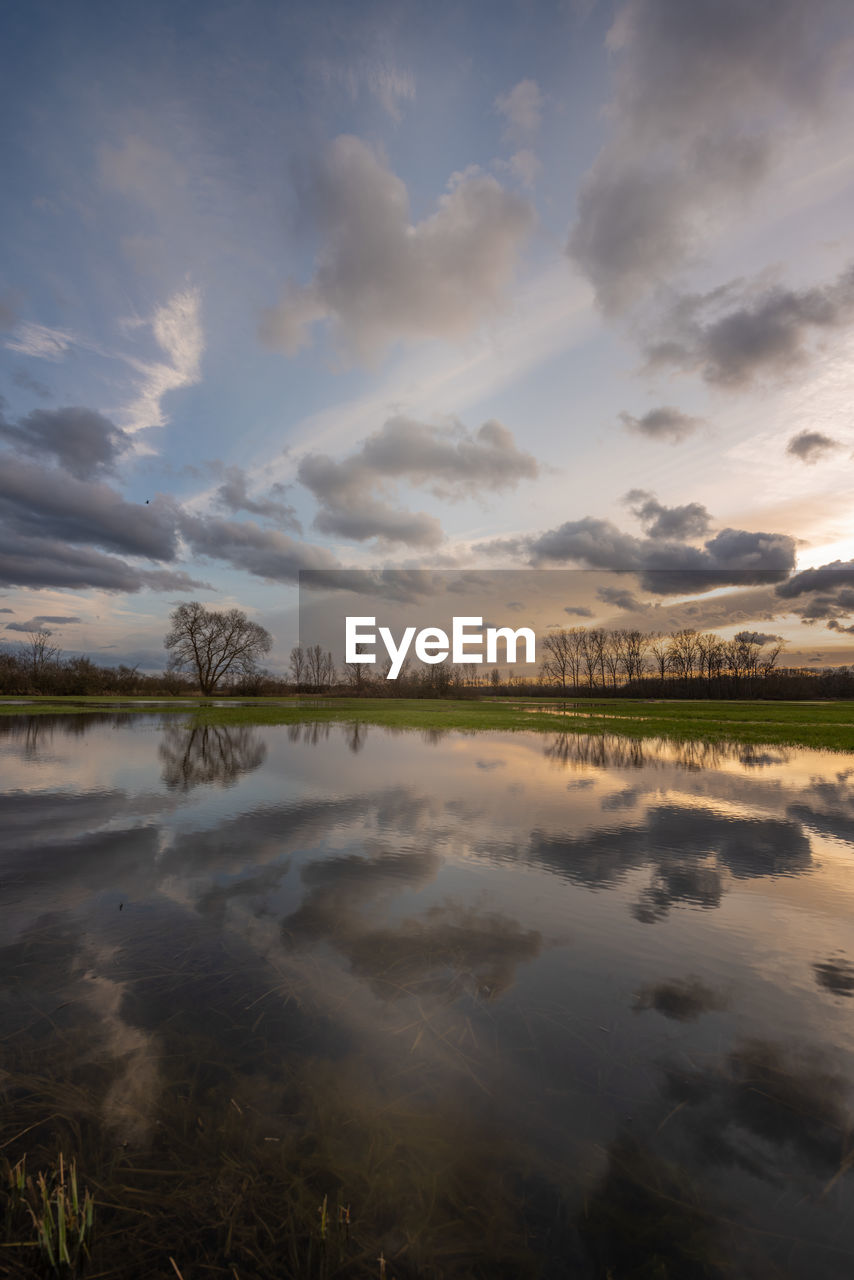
(448, 287)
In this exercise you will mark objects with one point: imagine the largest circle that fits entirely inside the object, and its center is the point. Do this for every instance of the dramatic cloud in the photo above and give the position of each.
(665, 423)
(380, 278)
(830, 592)
(44, 502)
(809, 446)
(664, 566)
(451, 462)
(620, 599)
(705, 95)
(233, 496)
(50, 562)
(266, 553)
(56, 528)
(81, 440)
(521, 108)
(689, 521)
(741, 332)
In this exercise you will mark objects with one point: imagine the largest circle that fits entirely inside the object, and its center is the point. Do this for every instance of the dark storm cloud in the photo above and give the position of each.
(665, 423)
(83, 442)
(740, 332)
(620, 599)
(809, 446)
(233, 496)
(266, 553)
(380, 278)
(55, 526)
(829, 592)
(827, 577)
(49, 562)
(689, 521)
(450, 461)
(45, 502)
(667, 567)
(706, 95)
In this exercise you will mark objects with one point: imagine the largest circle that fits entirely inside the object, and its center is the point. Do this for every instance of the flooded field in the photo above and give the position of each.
(315, 1000)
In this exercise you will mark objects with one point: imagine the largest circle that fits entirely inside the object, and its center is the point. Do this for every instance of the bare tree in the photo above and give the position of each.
(660, 649)
(215, 647)
(296, 662)
(39, 654)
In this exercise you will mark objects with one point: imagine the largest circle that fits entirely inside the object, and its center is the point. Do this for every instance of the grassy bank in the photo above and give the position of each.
(826, 724)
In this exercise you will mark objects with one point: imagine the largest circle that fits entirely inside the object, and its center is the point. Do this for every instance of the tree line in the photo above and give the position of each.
(220, 651)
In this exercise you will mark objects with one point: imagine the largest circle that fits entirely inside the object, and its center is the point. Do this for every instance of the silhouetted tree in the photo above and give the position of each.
(215, 647)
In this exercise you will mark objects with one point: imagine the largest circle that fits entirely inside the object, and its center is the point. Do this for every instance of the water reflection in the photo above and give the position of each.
(193, 755)
(529, 1006)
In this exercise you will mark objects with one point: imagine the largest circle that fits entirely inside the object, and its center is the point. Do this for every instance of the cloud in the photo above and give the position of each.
(663, 565)
(266, 553)
(521, 108)
(39, 341)
(44, 502)
(22, 379)
(524, 165)
(620, 599)
(55, 528)
(689, 521)
(51, 562)
(232, 495)
(389, 84)
(450, 461)
(378, 277)
(82, 441)
(578, 611)
(177, 329)
(740, 332)
(41, 621)
(757, 637)
(830, 589)
(706, 95)
(809, 446)
(665, 423)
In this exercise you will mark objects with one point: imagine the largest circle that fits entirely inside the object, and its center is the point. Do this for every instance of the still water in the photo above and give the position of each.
(321, 1000)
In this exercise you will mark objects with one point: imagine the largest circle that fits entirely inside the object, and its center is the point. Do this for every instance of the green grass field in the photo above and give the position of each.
(811, 724)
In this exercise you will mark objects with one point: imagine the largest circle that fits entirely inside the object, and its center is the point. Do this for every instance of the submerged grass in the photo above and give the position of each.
(828, 725)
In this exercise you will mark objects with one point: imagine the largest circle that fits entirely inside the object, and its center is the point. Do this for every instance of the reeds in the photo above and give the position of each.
(48, 1211)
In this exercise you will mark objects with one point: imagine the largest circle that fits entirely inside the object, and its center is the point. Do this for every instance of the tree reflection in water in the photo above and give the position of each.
(199, 754)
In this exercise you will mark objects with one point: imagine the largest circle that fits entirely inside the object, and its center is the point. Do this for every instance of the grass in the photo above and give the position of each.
(828, 725)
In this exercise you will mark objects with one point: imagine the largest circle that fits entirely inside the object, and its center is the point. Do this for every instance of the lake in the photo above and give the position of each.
(329, 1000)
